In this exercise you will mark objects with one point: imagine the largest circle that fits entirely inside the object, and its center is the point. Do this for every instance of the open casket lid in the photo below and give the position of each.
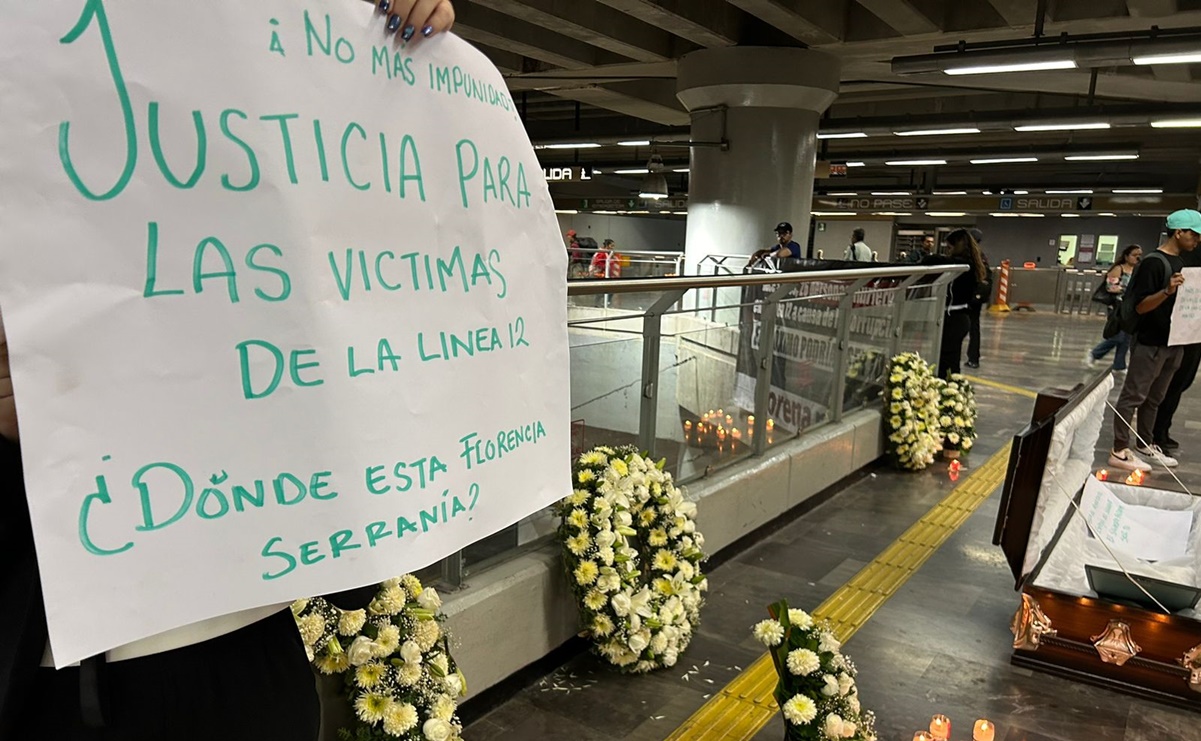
(1039, 453)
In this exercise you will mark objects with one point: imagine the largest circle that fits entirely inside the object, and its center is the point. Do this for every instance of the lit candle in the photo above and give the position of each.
(720, 412)
(771, 424)
(750, 419)
(984, 731)
(729, 420)
(1103, 475)
(687, 425)
(940, 728)
(737, 435)
(922, 736)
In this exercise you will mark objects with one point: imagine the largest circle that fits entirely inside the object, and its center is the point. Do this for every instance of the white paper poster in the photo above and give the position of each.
(1145, 532)
(285, 302)
(1186, 314)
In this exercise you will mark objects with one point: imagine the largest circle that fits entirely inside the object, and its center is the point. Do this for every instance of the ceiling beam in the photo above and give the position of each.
(795, 18)
(506, 61)
(592, 24)
(1016, 12)
(485, 26)
(1153, 10)
(653, 101)
(711, 25)
(604, 74)
(901, 15)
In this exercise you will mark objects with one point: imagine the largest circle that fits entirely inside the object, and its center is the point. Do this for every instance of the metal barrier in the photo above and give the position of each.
(800, 350)
(1075, 292)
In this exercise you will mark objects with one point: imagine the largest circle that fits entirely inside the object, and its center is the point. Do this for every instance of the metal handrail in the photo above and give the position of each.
(688, 282)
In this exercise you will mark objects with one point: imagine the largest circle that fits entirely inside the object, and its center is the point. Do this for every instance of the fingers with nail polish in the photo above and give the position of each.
(393, 23)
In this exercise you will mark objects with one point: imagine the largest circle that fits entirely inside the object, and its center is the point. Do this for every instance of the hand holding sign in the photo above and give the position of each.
(271, 290)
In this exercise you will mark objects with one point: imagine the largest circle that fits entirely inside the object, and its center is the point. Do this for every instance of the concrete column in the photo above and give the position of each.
(766, 102)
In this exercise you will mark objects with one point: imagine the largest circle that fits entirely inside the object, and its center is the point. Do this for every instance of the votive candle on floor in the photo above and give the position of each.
(922, 736)
(984, 731)
(940, 728)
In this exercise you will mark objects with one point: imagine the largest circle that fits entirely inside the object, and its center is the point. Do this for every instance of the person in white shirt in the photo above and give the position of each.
(858, 251)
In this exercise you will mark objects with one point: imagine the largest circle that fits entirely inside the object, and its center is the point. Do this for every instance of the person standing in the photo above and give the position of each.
(858, 251)
(979, 299)
(963, 250)
(1116, 282)
(606, 263)
(915, 256)
(784, 246)
(1182, 380)
(1152, 365)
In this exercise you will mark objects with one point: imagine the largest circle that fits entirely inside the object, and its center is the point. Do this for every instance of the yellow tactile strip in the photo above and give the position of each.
(1002, 387)
(746, 704)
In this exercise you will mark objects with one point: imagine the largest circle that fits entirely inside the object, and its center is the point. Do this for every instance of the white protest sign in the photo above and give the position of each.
(285, 302)
(1148, 533)
(1186, 313)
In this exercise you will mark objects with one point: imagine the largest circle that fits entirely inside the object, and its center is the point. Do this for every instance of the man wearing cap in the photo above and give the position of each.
(1182, 380)
(1152, 363)
(784, 246)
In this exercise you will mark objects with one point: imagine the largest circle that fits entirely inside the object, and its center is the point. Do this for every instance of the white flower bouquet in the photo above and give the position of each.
(957, 413)
(911, 412)
(394, 659)
(816, 691)
(633, 556)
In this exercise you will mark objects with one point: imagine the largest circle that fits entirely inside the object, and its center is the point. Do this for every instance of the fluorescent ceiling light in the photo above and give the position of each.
(1003, 160)
(634, 171)
(680, 169)
(1178, 123)
(650, 197)
(1186, 58)
(1032, 216)
(607, 213)
(1003, 214)
(890, 193)
(855, 164)
(571, 145)
(1106, 214)
(892, 213)
(946, 214)
(1099, 157)
(1063, 126)
(1069, 192)
(936, 132)
(638, 143)
(1021, 192)
(842, 193)
(914, 163)
(950, 192)
(1069, 216)
(680, 213)
(988, 69)
(1137, 191)
(833, 213)
(843, 135)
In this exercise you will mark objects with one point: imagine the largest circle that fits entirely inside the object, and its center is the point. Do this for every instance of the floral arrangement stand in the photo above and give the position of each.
(633, 556)
(393, 660)
(816, 690)
(912, 413)
(957, 416)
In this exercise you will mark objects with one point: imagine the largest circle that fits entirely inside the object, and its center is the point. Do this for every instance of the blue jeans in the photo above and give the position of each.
(1119, 342)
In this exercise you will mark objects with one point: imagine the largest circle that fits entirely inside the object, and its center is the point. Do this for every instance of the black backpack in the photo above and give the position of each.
(1128, 315)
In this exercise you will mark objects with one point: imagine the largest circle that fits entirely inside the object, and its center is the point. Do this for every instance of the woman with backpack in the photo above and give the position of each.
(962, 250)
(1116, 281)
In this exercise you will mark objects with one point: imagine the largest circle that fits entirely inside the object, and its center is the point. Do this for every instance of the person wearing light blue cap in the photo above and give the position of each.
(1152, 364)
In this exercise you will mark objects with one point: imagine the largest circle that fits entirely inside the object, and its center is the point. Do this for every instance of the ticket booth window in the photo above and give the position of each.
(1107, 249)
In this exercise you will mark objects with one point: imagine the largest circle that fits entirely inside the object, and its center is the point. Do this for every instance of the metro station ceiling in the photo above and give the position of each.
(603, 72)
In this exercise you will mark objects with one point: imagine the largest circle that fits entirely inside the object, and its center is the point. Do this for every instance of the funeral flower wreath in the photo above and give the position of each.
(633, 555)
(911, 411)
(394, 660)
(957, 410)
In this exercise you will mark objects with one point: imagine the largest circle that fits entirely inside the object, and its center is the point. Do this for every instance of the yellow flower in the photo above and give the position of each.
(578, 519)
(586, 573)
(620, 468)
(586, 476)
(895, 408)
(593, 458)
(895, 421)
(400, 718)
(579, 544)
(664, 586)
(369, 675)
(371, 706)
(665, 560)
(602, 625)
(578, 497)
(595, 600)
(898, 394)
(657, 537)
(647, 517)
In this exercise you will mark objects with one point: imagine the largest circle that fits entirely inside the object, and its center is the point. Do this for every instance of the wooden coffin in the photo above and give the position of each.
(1083, 637)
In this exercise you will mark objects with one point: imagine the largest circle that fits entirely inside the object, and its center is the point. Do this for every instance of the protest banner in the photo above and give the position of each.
(285, 305)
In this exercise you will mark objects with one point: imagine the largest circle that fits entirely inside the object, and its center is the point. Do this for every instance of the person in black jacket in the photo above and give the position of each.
(962, 249)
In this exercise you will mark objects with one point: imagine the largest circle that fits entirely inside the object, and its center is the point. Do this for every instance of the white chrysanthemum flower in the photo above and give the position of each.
(332, 663)
(426, 633)
(829, 643)
(362, 650)
(586, 573)
(593, 458)
(351, 622)
(400, 718)
(769, 632)
(595, 600)
(443, 707)
(409, 674)
(602, 626)
(389, 602)
(803, 662)
(311, 627)
(800, 710)
(368, 676)
(387, 640)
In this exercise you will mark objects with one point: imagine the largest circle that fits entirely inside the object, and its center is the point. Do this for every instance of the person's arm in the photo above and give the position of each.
(1113, 279)
(1149, 298)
